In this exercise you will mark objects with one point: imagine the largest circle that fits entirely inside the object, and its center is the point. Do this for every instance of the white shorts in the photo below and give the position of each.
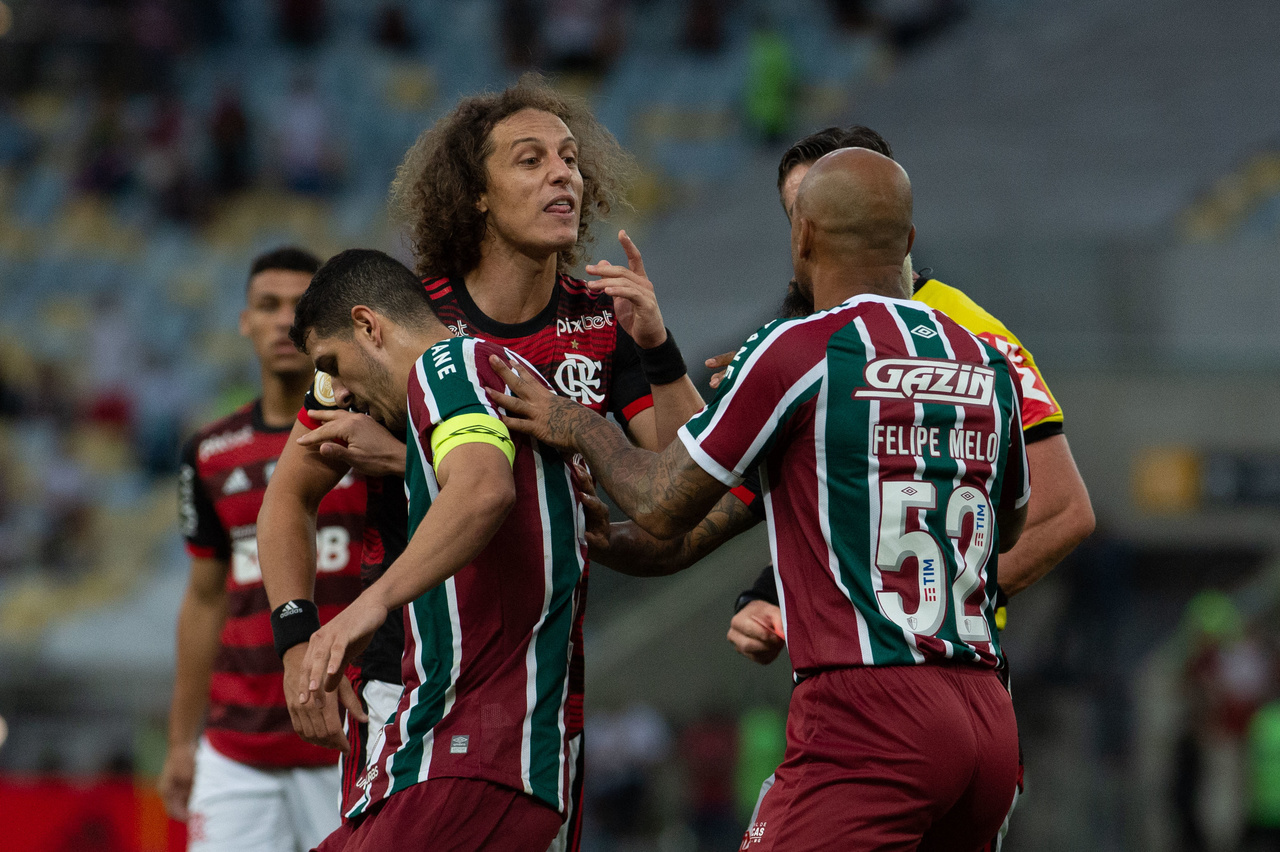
(239, 808)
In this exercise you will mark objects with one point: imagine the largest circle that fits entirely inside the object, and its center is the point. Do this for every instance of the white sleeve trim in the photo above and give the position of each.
(704, 461)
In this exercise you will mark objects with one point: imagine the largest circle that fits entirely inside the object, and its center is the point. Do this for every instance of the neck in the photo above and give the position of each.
(834, 285)
(282, 396)
(511, 287)
(406, 347)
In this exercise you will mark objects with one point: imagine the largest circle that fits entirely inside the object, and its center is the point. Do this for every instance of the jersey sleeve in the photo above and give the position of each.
(1016, 485)
(319, 397)
(1041, 414)
(767, 379)
(448, 406)
(201, 527)
(629, 394)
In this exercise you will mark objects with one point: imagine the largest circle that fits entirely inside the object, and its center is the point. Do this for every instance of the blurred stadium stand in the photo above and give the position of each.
(1103, 177)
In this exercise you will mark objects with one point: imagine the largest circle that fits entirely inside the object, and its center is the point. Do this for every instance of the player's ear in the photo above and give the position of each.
(366, 324)
(911, 239)
(244, 322)
(804, 238)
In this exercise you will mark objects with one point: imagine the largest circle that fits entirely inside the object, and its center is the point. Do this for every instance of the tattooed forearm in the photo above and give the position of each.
(633, 551)
(666, 494)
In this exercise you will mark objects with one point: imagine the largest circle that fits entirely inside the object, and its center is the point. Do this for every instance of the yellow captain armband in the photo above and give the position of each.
(1002, 617)
(470, 429)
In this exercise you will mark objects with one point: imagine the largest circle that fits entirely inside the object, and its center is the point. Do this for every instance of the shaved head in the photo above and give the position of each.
(852, 222)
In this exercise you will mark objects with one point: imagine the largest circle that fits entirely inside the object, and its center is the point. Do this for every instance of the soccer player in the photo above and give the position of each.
(250, 783)
(500, 196)
(889, 446)
(1059, 515)
(477, 754)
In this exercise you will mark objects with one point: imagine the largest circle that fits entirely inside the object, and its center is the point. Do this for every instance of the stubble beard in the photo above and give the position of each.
(795, 303)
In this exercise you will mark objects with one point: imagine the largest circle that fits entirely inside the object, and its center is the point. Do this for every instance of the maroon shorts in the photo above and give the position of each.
(892, 758)
(451, 815)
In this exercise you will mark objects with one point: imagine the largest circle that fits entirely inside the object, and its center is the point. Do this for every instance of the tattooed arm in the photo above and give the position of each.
(665, 493)
(628, 549)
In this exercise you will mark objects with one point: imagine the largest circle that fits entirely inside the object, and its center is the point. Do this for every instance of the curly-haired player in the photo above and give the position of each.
(498, 197)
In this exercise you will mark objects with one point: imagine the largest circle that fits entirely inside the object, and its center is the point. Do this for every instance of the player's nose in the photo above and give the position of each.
(559, 171)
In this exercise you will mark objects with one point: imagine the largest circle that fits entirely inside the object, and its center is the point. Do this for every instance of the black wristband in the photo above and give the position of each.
(292, 623)
(744, 599)
(663, 364)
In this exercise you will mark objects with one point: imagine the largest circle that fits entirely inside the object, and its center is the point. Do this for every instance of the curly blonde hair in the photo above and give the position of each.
(438, 185)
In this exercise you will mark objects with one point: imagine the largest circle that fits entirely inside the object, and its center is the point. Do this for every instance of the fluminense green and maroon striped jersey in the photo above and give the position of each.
(887, 437)
(487, 652)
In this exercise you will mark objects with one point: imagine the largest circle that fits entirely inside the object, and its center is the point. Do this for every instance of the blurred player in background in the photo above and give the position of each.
(499, 196)
(250, 783)
(478, 753)
(863, 418)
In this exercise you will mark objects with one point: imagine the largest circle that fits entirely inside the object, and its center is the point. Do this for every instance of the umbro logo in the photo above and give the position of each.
(924, 331)
(237, 482)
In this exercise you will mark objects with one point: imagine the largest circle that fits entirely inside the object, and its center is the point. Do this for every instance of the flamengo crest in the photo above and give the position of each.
(576, 377)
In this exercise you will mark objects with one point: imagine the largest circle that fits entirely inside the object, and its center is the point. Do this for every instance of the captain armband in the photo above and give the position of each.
(470, 429)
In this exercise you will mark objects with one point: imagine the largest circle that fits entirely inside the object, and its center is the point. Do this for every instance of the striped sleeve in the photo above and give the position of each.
(202, 529)
(1017, 475)
(778, 368)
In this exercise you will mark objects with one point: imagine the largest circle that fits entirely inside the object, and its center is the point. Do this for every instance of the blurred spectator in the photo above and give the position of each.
(17, 142)
(762, 744)
(302, 22)
(521, 26)
(770, 92)
(582, 36)
(622, 751)
(909, 23)
(709, 748)
(106, 157)
(165, 170)
(308, 152)
(1228, 676)
(11, 402)
(113, 362)
(852, 15)
(392, 29)
(1262, 832)
(162, 395)
(229, 140)
(66, 512)
(156, 38)
(704, 26)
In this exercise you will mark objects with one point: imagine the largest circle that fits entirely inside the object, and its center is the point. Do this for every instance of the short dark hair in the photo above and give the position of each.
(815, 146)
(288, 258)
(359, 277)
(443, 175)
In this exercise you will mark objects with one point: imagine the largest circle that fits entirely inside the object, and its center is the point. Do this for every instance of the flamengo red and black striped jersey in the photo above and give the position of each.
(575, 342)
(224, 474)
(487, 652)
(887, 438)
